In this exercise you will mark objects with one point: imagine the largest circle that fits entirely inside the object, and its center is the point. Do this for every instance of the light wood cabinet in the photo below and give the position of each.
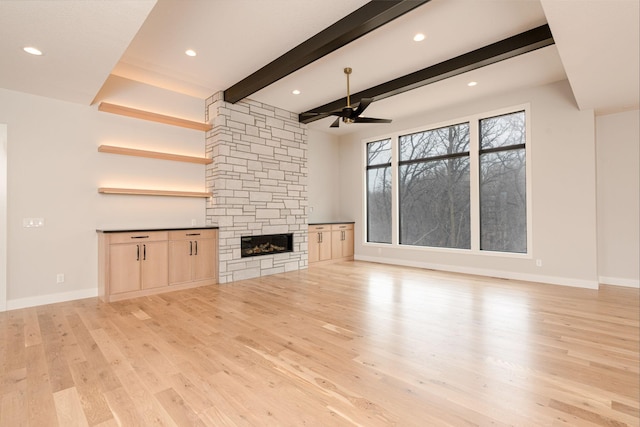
(341, 241)
(133, 264)
(330, 242)
(192, 255)
(205, 265)
(319, 243)
(124, 268)
(137, 261)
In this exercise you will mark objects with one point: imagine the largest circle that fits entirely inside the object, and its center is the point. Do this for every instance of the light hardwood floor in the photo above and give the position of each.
(351, 343)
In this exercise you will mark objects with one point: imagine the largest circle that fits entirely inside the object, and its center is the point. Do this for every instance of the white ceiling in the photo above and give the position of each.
(82, 41)
(86, 40)
(599, 43)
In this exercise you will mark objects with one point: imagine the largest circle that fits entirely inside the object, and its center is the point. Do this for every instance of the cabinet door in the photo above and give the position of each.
(336, 244)
(314, 246)
(319, 243)
(180, 255)
(347, 243)
(204, 259)
(342, 238)
(325, 245)
(124, 268)
(155, 265)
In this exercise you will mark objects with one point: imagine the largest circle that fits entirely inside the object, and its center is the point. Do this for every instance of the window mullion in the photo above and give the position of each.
(395, 200)
(474, 183)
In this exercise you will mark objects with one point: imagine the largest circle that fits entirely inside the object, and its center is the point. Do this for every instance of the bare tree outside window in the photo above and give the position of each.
(434, 188)
(379, 191)
(503, 207)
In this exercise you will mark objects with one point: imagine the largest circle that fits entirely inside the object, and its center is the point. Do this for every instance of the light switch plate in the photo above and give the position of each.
(32, 222)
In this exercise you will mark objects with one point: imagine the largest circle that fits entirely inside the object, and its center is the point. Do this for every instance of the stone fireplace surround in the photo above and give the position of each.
(259, 183)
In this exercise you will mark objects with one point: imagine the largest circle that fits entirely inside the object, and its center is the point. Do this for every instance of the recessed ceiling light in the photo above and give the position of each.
(418, 37)
(190, 52)
(470, 84)
(295, 92)
(32, 50)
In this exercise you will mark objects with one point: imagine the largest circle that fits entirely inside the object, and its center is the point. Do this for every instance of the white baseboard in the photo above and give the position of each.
(563, 281)
(14, 304)
(618, 281)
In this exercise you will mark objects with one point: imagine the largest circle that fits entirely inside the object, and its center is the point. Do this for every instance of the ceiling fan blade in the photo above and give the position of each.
(336, 123)
(364, 103)
(371, 120)
(339, 112)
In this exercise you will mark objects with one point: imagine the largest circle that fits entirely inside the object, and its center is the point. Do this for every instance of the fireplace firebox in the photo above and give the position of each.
(266, 244)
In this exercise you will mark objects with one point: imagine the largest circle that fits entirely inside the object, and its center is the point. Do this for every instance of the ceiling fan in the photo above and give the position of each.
(349, 114)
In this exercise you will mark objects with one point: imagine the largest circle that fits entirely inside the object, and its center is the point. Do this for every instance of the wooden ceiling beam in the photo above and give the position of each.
(358, 23)
(519, 44)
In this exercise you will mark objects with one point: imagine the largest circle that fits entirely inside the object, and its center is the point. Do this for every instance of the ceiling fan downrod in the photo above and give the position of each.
(346, 119)
(348, 71)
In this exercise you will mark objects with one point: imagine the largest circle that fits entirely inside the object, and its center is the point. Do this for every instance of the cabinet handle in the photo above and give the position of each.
(190, 248)
(196, 247)
(144, 252)
(319, 237)
(193, 234)
(137, 252)
(139, 237)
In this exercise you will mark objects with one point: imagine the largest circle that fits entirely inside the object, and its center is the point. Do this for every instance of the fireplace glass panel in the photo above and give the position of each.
(266, 244)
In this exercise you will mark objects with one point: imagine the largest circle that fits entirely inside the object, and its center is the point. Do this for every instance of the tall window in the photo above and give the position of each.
(434, 187)
(379, 191)
(503, 201)
(458, 186)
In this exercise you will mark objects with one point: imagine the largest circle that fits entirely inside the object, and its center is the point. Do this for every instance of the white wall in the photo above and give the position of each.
(563, 187)
(54, 170)
(618, 154)
(3, 217)
(323, 186)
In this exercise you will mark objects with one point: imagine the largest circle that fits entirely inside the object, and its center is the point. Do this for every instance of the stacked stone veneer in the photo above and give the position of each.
(259, 183)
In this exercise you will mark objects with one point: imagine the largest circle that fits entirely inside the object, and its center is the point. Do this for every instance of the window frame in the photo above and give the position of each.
(503, 149)
(367, 168)
(474, 171)
(429, 159)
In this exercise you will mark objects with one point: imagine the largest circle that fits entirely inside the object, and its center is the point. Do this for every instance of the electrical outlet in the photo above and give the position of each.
(538, 263)
(194, 222)
(60, 278)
